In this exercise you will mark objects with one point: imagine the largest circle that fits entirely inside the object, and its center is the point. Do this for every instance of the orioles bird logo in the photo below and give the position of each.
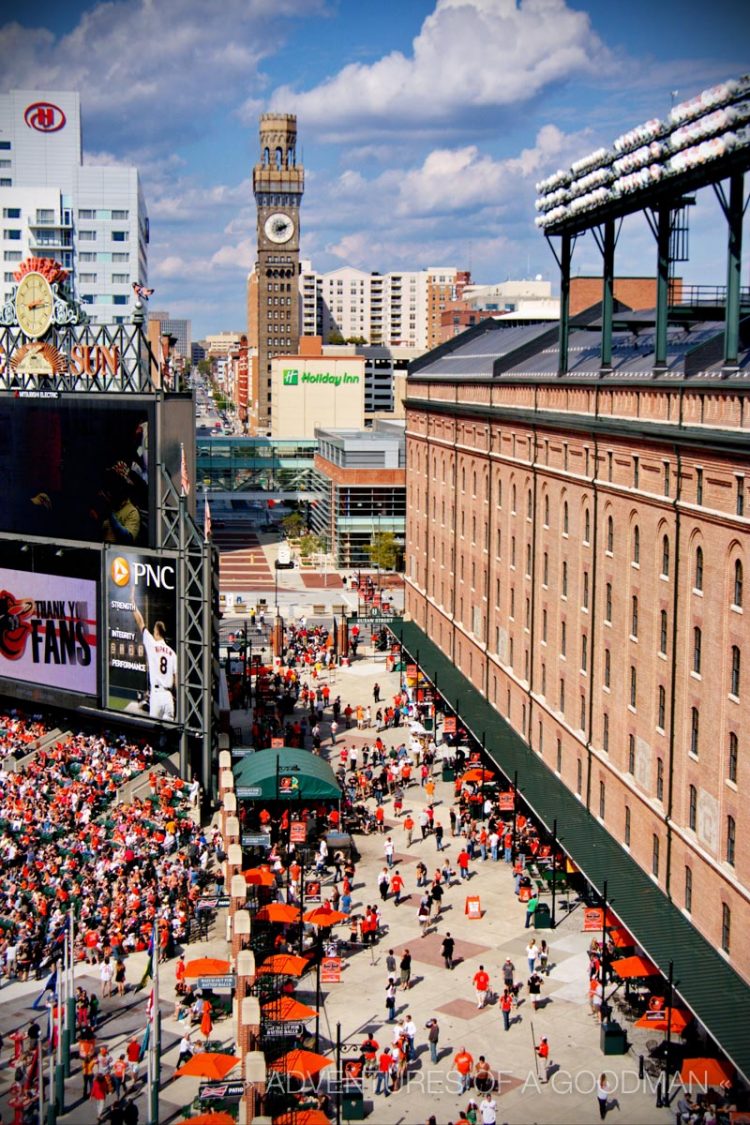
(14, 624)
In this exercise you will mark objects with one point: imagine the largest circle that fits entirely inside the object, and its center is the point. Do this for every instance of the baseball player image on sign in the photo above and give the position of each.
(162, 667)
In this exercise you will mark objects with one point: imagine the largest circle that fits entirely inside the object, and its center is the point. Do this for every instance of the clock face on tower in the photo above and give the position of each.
(278, 227)
(34, 305)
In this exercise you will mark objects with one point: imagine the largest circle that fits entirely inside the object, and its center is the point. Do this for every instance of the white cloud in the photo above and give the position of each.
(151, 68)
(469, 55)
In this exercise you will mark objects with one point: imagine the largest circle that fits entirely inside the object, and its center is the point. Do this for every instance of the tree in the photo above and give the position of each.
(308, 545)
(335, 338)
(293, 525)
(383, 550)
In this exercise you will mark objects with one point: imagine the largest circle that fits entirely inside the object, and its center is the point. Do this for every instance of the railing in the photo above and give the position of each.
(704, 295)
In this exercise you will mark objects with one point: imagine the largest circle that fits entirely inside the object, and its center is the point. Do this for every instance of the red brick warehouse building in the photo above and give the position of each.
(577, 540)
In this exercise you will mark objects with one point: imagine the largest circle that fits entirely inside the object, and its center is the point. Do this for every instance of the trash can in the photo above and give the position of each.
(352, 1102)
(613, 1039)
(449, 774)
(542, 917)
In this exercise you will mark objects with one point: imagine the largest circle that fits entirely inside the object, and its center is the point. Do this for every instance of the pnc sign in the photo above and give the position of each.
(45, 117)
(122, 572)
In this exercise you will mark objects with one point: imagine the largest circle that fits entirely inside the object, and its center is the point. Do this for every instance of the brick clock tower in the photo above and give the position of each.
(273, 287)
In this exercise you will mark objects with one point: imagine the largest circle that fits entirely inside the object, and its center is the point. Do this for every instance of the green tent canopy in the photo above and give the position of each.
(283, 774)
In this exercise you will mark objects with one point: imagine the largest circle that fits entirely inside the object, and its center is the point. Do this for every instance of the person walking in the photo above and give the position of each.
(481, 984)
(436, 894)
(438, 830)
(405, 970)
(376, 693)
(463, 1063)
(390, 1000)
(602, 1095)
(389, 849)
(508, 970)
(506, 1003)
(106, 973)
(531, 954)
(462, 860)
(544, 958)
(447, 949)
(433, 1038)
(383, 1083)
(488, 1110)
(383, 881)
(535, 987)
(390, 964)
(397, 885)
(408, 829)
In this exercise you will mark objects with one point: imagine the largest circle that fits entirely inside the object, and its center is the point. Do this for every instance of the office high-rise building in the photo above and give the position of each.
(90, 218)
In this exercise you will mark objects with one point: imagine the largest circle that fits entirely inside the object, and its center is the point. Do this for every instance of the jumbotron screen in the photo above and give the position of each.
(48, 631)
(76, 468)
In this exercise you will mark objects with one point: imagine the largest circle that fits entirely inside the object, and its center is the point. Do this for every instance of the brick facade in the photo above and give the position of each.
(564, 544)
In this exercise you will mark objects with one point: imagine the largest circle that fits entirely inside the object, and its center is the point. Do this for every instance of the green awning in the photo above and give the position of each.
(709, 986)
(284, 774)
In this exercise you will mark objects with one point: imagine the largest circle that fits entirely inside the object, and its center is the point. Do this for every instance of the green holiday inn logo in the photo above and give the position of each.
(290, 377)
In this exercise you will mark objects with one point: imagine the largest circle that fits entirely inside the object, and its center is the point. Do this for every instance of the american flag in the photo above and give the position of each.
(207, 523)
(184, 479)
(141, 290)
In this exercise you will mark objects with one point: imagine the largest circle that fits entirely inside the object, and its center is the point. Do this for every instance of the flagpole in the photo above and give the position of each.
(59, 1072)
(51, 1106)
(66, 994)
(72, 993)
(156, 1037)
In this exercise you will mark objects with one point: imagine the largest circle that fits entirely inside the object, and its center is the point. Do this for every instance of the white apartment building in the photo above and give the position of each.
(392, 309)
(526, 298)
(91, 219)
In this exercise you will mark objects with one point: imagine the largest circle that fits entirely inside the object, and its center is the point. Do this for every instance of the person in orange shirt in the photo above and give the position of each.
(408, 829)
(542, 1051)
(481, 984)
(397, 885)
(463, 1063)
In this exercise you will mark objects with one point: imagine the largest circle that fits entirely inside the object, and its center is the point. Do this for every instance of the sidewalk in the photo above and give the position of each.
(563, 1016)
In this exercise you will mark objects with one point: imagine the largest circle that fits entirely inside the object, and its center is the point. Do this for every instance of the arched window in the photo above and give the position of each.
(731, 839)
(665, 556)
(698, 584)
(694, 730)
(733, 755)
(735, 671)
(636, 544)
(564, 579)
(608, 603)
(528, 504)
(634, 616)
(586, 527)
(737, 596)
(546, 511)
(513, 499)
(697, 645)
(463, 480)
(565, 518)
(610, 534)
(662, 708)
(692, 807)
(663, 633)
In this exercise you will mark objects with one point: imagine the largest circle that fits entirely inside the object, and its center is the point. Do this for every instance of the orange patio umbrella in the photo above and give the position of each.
(206, 967)
(215, 1118)
(284, 965)
(322, 917)
(259, 877)
(706, 1072)
(303, 1117)
(477, 773)
(621, 938)
(632, 967)
(657, 1021)
(287, 1009)
(300, 1064)
(207, 1064)
(278, 912)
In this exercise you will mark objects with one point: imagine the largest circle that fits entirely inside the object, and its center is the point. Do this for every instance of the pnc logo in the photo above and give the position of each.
(290, 377)
(120, 571)
(44, 117)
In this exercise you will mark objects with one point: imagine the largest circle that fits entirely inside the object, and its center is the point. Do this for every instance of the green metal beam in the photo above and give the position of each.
(566, 251)
(608, 296)
(734, 269)
(664, 230)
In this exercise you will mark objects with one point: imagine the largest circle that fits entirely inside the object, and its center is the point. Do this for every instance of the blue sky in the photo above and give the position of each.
(423, 125)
